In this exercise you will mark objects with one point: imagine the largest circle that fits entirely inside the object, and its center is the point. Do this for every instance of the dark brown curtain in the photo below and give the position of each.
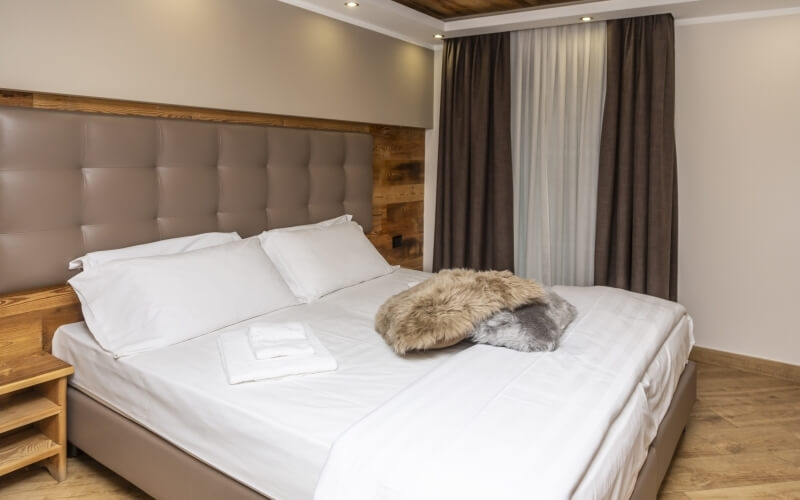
(474, 194)
(637, 210)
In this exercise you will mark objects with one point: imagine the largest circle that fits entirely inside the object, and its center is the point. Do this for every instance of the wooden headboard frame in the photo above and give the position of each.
(28, 319)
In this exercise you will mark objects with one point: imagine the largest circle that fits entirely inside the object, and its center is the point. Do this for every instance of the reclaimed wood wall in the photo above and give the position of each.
(398, 159)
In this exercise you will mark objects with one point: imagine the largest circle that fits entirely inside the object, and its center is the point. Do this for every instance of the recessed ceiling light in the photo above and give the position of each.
(438, 36)
(351, 4)
(586, 19)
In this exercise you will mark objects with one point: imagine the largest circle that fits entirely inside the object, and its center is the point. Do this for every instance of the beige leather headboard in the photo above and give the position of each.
(71, 183)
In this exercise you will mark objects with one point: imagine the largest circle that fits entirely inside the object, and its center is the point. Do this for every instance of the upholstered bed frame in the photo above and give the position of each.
(71, 183)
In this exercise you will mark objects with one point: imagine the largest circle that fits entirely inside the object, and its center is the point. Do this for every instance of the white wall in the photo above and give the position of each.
(431, 167)
(738, 137)
(253, 55)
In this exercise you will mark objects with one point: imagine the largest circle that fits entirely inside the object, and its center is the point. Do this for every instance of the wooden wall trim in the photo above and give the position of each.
(744, 363)
(398, 158)
(60, 102)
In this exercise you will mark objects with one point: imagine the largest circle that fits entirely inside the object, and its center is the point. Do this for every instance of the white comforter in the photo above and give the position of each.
(495, 423)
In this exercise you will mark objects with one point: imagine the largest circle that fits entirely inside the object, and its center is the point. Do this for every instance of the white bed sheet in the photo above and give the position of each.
(287, 426)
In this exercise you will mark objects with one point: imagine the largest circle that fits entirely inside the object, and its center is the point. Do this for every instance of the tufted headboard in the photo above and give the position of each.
(71, 183)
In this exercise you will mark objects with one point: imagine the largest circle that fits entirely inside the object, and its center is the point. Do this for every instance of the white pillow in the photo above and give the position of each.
(161, 247)
(321, 260)
(342, 219)
(136, 305)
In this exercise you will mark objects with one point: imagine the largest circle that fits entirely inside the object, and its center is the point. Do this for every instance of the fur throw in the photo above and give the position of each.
(444, 309)
(532, 327)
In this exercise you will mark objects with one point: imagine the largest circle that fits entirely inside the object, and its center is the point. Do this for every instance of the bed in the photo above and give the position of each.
(166, 419)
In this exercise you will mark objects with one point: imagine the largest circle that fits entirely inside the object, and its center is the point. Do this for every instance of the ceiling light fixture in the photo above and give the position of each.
(351, 4)
(438, 36)
(586, 19)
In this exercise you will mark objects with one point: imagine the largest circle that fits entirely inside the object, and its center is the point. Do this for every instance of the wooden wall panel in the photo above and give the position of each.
(29, 319)
(398, 189)
(398, 159)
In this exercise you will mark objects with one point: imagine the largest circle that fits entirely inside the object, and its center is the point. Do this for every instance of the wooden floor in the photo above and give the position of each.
(743, 441)
(85, 479)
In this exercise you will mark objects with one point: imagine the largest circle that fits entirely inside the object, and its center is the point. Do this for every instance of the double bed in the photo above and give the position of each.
(598, 418)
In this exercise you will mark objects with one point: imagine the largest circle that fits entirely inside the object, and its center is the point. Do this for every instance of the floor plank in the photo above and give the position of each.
(771, 491)
(86, 479)
(672, 496)
(728, 470)
(742, 442)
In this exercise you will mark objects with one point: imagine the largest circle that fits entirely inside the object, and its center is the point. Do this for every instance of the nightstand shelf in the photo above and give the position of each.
(25, 408)
(25, 447)
(33, 413)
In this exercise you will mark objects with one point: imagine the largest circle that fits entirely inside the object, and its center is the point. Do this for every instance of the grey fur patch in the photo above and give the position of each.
(530, 328)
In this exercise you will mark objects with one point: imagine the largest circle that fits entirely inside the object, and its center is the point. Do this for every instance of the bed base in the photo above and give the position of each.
(167, 472)
(154, 465)
(669, 434)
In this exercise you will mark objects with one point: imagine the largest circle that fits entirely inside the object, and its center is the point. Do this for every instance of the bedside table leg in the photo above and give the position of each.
(56, 427)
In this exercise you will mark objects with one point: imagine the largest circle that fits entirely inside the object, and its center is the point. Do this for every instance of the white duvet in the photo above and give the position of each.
(577, 420)
(496, 423)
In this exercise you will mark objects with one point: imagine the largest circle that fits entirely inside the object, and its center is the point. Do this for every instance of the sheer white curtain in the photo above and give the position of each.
(557, 94)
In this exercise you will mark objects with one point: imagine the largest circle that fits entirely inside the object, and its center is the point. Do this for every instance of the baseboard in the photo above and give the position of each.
(744, 363)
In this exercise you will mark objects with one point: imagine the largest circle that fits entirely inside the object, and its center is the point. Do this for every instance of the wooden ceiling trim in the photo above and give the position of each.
(449, 9)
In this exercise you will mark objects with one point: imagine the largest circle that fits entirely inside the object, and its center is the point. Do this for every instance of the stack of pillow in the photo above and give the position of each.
(154, 295)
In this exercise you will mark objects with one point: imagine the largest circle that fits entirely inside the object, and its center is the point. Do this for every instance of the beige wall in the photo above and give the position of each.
(738, 135)
(254, 55)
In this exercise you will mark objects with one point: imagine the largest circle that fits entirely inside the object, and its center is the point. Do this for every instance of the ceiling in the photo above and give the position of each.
(449, 9)
(394, 18)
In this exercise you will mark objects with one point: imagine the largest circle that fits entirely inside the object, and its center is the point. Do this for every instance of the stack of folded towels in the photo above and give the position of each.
(272, 350)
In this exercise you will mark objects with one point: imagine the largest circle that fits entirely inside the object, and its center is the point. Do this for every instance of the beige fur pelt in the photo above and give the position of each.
(444, 309)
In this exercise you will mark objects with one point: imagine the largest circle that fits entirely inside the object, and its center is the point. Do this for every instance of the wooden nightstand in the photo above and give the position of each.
(33, 413)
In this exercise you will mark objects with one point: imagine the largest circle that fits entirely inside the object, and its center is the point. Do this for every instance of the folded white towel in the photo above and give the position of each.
(281, 349)
(279, 339)
(241, 364)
